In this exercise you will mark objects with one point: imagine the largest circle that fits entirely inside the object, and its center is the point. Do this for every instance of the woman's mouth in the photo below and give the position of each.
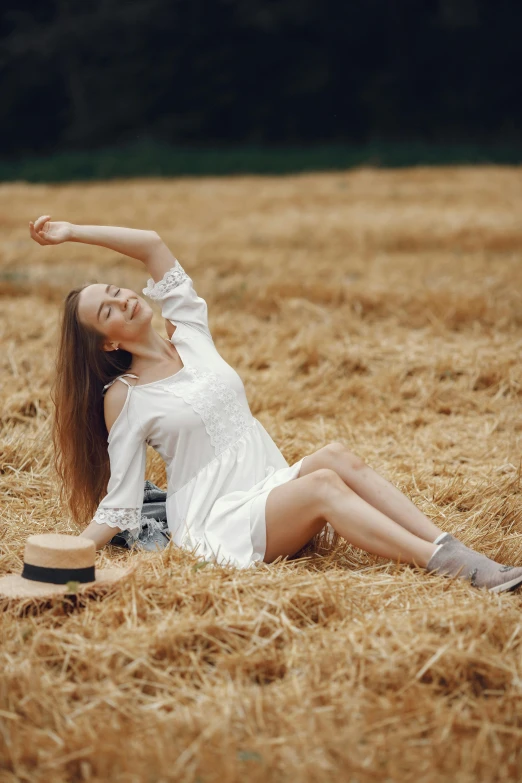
(136, 308)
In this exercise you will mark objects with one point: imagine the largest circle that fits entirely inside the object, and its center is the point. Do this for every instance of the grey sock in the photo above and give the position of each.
(434, 553)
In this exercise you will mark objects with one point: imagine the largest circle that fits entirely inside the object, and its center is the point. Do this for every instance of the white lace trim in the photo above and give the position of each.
(124, 518)
(172, 278)
(224, 417)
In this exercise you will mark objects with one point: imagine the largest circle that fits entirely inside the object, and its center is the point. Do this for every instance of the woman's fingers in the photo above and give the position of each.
(34, 235)
(38, 236)
(41, 221)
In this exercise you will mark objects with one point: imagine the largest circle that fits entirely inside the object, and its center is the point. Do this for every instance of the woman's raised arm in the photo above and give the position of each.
(145, 246)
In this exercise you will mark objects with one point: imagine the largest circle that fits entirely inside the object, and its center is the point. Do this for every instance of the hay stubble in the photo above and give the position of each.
(381, 309)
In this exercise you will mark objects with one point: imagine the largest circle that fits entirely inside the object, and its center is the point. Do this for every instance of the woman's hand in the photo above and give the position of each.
(46, 232)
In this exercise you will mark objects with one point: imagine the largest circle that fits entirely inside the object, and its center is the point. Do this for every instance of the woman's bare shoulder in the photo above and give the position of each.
(170, 327)
(113, 402)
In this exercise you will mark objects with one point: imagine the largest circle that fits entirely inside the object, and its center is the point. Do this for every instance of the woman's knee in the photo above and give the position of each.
(338, 453)
(325, 481)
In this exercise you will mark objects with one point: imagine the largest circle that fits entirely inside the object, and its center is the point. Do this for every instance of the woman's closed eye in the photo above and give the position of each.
(110, 308)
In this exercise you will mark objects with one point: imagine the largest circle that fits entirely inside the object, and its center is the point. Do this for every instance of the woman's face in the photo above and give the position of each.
(118, 313)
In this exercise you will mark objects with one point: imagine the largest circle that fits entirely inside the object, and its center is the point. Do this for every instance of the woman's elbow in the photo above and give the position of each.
(155, 238)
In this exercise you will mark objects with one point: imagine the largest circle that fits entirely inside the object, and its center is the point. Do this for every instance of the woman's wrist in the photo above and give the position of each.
(72, 237)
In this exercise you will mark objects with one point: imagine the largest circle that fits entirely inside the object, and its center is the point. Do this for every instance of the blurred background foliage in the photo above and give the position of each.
(110, 88)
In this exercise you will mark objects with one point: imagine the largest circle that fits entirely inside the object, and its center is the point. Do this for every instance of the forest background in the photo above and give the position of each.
(163, 88)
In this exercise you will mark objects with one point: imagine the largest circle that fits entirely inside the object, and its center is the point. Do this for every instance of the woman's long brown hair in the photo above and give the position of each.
(79, 432)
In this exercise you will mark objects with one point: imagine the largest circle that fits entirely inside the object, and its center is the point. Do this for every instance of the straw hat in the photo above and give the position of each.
(58, 564)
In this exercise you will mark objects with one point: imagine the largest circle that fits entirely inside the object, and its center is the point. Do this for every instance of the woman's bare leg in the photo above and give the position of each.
(297, 510)
(372, 487)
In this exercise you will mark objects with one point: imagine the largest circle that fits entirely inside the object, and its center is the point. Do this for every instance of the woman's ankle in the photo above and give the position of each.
(425, 553)
(436, 548)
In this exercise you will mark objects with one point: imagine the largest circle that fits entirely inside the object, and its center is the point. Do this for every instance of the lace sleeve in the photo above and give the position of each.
(171, 279)
(123, 518)
(179, 301)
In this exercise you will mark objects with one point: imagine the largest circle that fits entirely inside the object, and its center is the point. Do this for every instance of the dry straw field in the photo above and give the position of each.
(378, 308)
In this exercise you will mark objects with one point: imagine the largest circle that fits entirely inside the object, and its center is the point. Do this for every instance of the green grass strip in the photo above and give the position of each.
(155, 160)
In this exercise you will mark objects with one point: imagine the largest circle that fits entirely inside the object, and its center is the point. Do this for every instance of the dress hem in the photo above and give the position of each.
(258, 514)
(255, 518)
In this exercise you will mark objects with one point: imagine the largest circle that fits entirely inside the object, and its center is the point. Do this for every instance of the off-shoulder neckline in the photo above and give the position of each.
(169, 377)
(143, 386)
(160, 380)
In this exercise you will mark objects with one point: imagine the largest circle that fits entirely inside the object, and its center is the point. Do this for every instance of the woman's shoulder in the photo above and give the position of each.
(114, 402)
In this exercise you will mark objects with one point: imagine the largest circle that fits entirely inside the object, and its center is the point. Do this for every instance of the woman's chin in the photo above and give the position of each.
(143, 316)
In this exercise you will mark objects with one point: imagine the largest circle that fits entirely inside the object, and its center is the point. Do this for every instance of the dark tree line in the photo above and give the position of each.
(81, 75)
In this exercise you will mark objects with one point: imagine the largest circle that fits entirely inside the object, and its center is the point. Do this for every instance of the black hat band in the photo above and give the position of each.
(58, 576)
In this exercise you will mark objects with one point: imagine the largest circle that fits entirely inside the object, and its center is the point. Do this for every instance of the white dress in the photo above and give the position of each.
(221, 463)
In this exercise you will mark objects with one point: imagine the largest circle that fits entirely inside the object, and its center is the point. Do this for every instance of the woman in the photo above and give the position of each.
(232, 497)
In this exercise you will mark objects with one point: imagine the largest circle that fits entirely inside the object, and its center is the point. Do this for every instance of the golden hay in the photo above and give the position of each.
(378, 308)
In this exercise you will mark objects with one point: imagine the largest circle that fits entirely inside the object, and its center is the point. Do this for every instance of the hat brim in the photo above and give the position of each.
(16, 586)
